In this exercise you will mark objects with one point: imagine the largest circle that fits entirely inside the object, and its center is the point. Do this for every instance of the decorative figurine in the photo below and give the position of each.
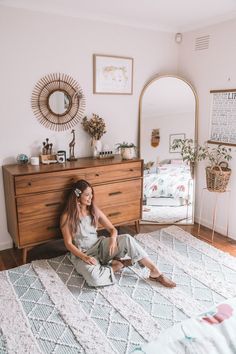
(72, 147)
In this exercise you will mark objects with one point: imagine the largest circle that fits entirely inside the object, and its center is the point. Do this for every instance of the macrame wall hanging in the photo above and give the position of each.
(58, 101)
(155, 138)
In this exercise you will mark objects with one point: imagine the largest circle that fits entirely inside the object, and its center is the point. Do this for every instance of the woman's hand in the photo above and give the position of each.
(112, 246)
(89, 260)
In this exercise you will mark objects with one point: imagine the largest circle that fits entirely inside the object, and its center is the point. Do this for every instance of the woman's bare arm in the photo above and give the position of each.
(104, 221)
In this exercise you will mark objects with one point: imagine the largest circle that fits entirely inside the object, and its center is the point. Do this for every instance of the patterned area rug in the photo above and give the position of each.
(166, 214)
(46, 307)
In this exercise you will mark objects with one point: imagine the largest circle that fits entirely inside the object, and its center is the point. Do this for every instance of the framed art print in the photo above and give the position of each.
(172, 138)
(112, 75)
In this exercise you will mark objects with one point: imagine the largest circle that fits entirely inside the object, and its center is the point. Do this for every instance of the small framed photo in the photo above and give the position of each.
(112, 75)
(172, 138)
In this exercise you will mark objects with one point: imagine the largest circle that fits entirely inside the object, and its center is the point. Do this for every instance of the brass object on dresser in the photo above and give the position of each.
(35, 195)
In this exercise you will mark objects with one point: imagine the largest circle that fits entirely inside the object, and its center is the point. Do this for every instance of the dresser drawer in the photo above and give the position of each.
(37, 231)
(46, 182)
(123, 213)
(118, 193)
(103, 174)
(39, 206)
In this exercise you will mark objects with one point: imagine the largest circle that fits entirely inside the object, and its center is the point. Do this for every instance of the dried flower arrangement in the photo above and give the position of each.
(94, 126)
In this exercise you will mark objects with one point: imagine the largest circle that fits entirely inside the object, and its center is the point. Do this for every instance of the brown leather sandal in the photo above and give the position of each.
(125, 262)
(162, 279)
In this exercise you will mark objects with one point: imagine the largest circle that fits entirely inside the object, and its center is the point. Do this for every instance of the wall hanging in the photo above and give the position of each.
(58, 101)
(222, 119)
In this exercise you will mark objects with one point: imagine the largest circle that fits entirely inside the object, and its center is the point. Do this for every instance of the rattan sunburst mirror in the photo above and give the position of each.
(58, 101)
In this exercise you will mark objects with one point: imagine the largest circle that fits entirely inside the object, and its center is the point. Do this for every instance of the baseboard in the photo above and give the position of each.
(219, 229)
(6, 245)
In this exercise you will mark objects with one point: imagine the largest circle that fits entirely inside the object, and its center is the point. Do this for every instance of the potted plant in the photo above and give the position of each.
(218, 173)
(127, 150)
(188, 150)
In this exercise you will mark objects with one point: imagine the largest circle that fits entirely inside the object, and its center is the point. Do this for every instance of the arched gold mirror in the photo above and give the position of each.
(58, 101)
(167, 111)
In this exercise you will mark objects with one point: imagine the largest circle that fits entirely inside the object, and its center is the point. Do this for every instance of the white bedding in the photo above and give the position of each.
(213, 332)
(171, 181)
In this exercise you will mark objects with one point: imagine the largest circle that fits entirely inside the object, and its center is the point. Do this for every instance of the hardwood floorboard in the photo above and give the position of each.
(13, 257)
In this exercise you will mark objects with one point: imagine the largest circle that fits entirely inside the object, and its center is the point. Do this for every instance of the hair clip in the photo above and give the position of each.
(77, 192)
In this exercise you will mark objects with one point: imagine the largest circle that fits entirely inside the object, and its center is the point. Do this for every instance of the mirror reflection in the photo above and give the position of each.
(59, 102)
(167, 112)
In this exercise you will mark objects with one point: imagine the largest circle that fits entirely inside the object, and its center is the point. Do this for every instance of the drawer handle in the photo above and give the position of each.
(52, 227)
(131, 170)
(52, 204)
(29, 184)
(115, 193)
(97, 174)
(114, 214)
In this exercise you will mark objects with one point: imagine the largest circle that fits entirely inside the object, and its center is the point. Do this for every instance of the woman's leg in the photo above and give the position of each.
(155, 274)
(128, 246)
(95, 275)
(116, 265)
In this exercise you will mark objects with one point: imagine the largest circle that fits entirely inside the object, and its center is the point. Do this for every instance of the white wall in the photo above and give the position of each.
(179, 123)
(35, 44)
(210, 69)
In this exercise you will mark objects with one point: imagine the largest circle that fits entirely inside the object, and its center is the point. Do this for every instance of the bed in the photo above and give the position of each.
(170, 184)
(210, 332)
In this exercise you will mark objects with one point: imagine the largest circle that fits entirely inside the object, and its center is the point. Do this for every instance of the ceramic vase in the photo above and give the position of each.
(96, 147)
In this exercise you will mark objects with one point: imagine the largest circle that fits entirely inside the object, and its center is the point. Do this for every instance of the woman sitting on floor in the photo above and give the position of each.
(98, 258)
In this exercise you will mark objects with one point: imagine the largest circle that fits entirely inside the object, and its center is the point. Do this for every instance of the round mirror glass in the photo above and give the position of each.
(167, 112)
(59, 102)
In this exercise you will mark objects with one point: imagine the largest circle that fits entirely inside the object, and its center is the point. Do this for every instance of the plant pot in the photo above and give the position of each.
(128, 153)
(217, 178)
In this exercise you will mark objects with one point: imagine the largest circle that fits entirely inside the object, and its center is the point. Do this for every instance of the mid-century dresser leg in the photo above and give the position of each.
(137, 226)
(24, 254)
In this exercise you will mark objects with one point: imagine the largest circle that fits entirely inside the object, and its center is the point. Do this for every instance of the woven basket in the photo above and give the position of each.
(217, 178)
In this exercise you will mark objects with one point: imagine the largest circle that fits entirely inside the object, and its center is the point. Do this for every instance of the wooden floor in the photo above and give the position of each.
(13, 257)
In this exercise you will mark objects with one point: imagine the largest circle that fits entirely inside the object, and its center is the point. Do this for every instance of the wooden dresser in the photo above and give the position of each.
(35, 195)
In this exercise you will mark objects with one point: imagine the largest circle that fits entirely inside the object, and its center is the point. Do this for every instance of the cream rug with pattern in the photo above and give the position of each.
(46, 307)
(167, 214)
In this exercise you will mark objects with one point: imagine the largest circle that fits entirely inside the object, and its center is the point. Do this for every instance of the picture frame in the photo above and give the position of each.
(112, 75)
(173, 137)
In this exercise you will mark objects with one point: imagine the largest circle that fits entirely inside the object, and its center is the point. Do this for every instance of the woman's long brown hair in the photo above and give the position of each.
(71, 209)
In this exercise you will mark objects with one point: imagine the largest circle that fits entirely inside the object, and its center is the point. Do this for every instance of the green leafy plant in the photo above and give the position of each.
(188, 149)
(192, 152)
(215, 155)
(125, 145)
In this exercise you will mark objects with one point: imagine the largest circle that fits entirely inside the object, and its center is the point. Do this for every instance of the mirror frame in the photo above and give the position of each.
(44, 88)
(152, 80)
